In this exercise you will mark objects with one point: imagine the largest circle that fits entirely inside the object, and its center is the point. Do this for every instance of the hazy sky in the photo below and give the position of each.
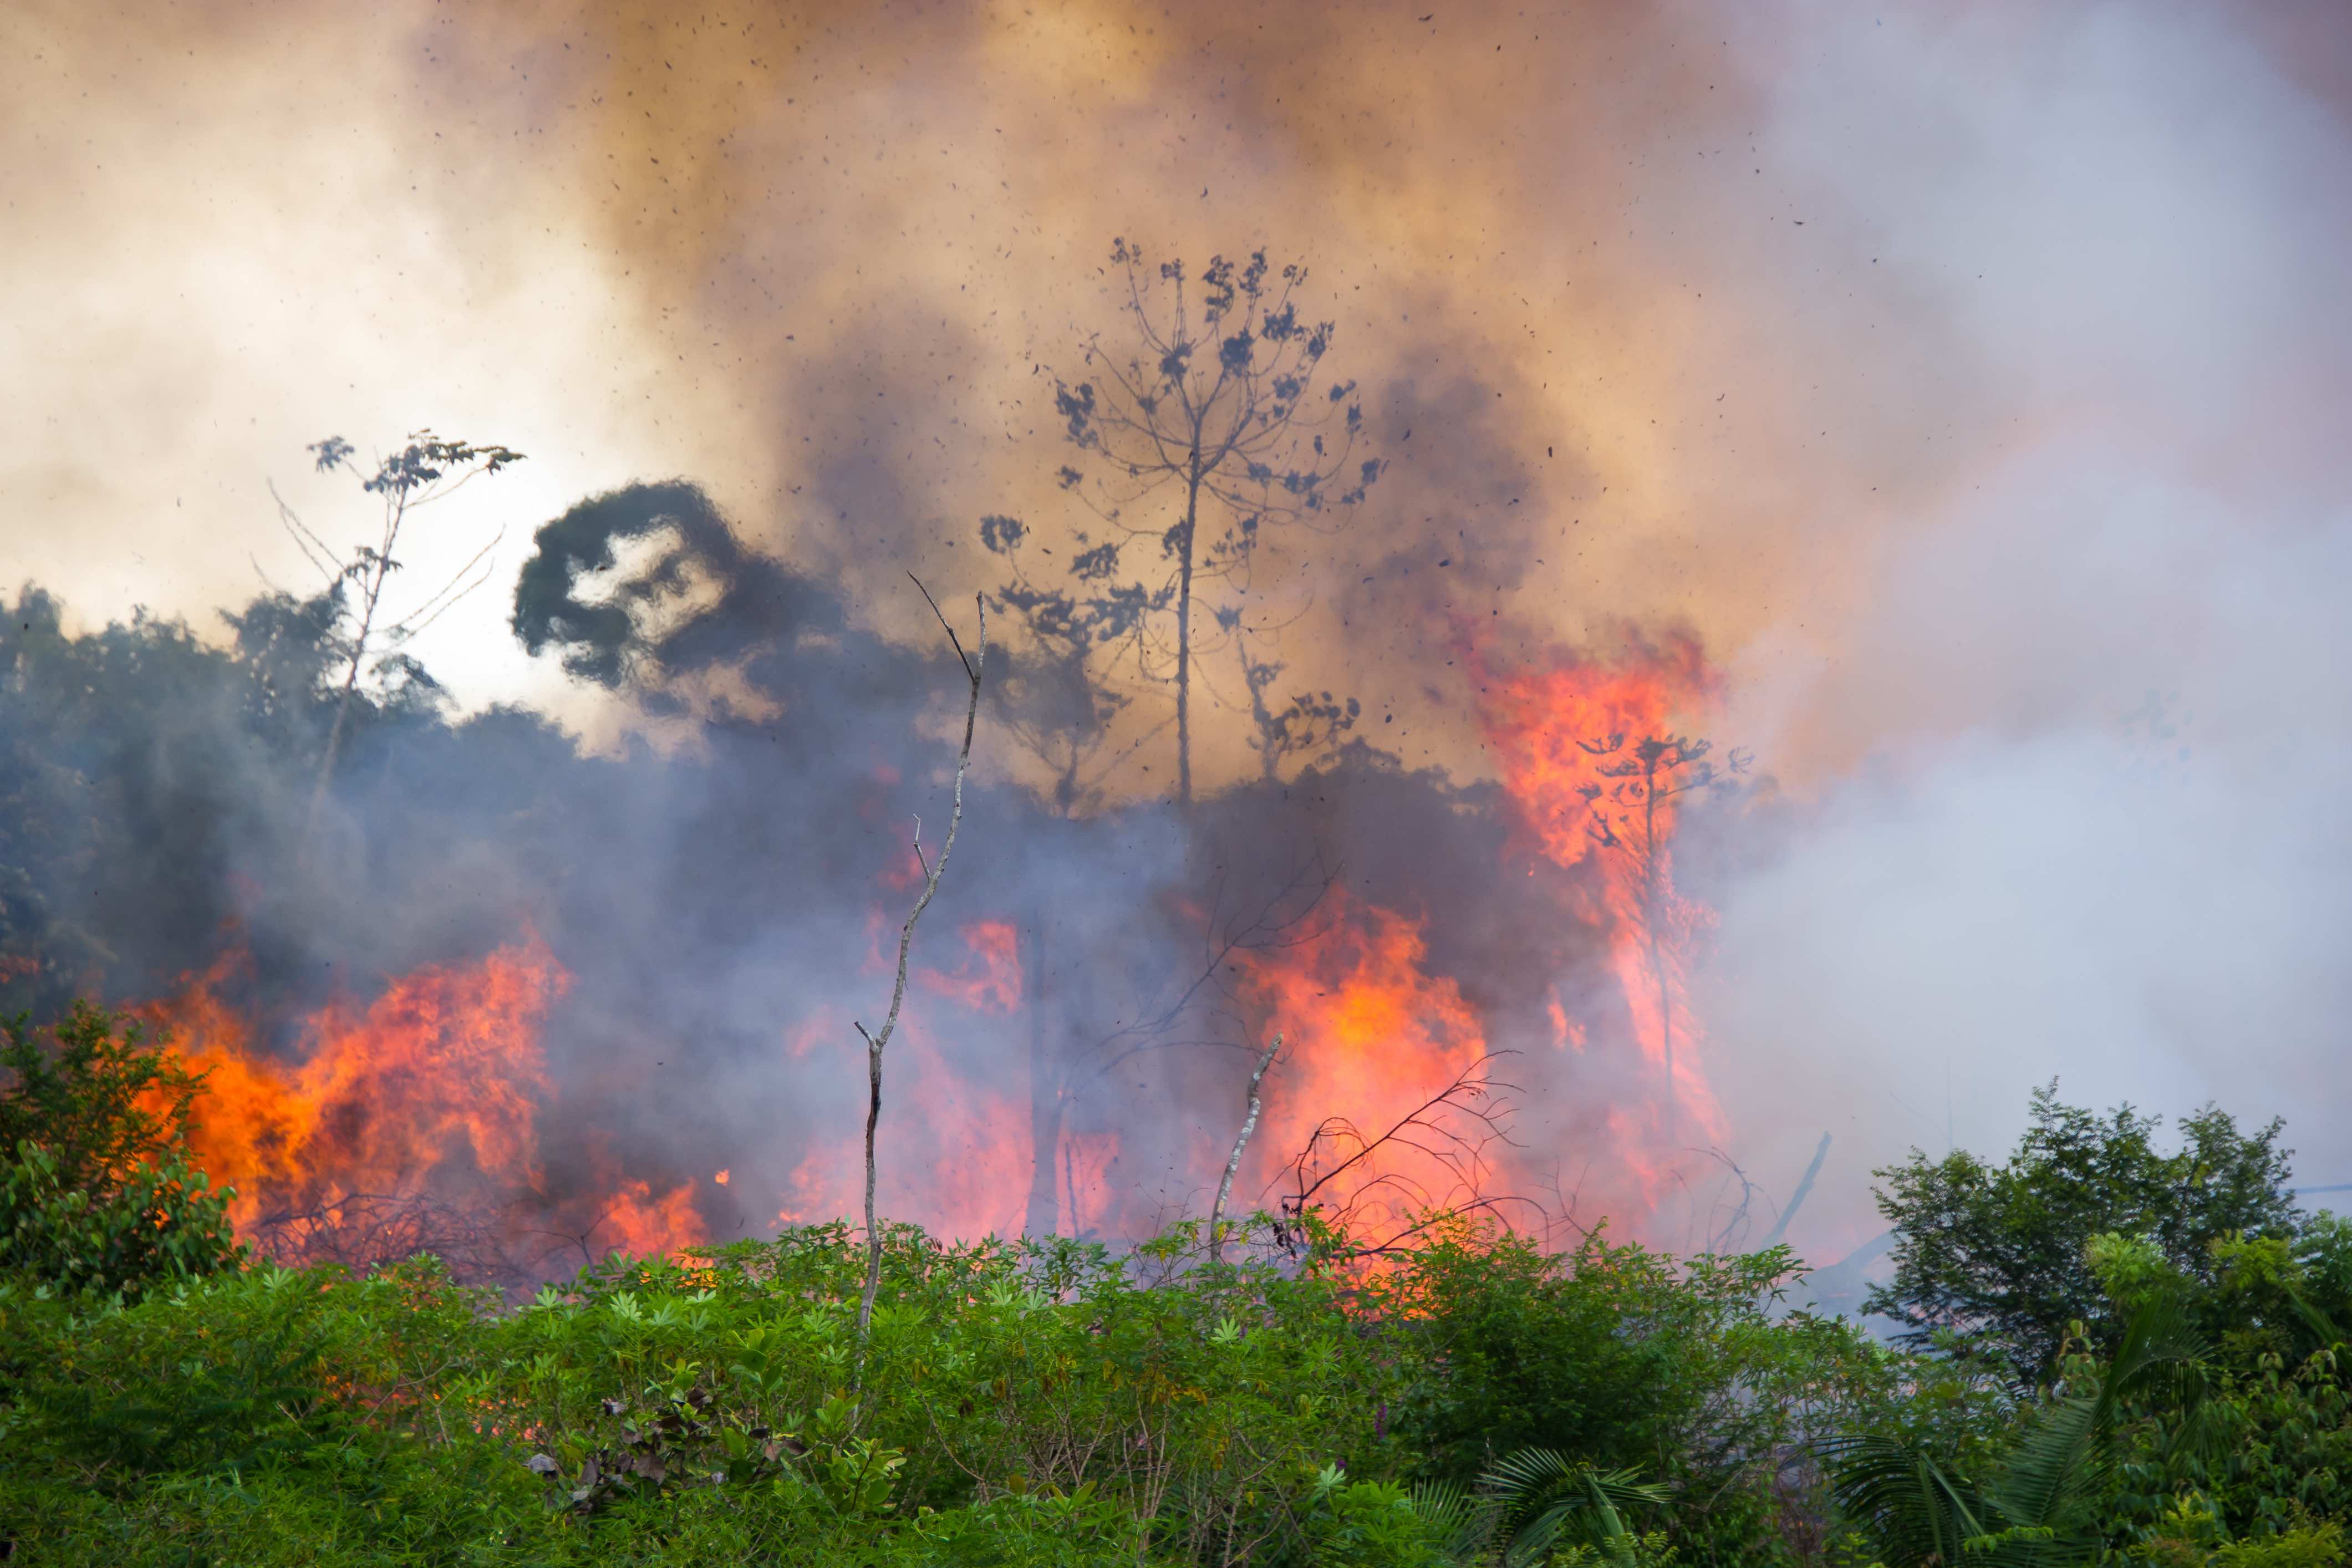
(1963, 374)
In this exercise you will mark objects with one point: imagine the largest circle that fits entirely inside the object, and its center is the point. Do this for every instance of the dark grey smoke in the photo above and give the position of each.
(719, 906)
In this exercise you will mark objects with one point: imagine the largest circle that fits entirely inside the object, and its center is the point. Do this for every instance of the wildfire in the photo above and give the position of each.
(636, 1222)
(989, 980)
(443, 1069)
(975, 1135)
(1588, 755)
(436, 1086)
(1544, 723)
(1370, 1036)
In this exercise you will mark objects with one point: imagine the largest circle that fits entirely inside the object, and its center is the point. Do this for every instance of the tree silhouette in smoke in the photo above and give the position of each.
(1309, 723)
(1052, 702)
(428, 469)
(695, 600)
(1205, 430)
(1626, 823)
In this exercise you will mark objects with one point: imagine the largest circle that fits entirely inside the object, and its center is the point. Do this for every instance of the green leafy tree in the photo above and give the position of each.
(1997, 1258)
(97, 1094)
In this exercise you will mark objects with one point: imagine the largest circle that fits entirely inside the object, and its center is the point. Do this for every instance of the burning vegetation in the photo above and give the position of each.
(412, 1115)
(460, 984)
(458, 1092)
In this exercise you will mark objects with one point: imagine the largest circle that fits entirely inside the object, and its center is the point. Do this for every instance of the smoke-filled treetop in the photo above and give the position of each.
(1201, 427)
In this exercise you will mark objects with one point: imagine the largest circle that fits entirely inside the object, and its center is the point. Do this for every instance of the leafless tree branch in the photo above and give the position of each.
(878, 1040)
(1234, 1161)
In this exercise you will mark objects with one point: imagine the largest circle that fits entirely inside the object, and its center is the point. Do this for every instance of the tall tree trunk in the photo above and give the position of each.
(1184, 632)
(1653, 890)
(1241, 1142)
(343, 699)
(1044, 1093)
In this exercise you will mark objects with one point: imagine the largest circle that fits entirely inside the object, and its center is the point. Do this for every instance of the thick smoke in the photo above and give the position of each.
(2072, 761)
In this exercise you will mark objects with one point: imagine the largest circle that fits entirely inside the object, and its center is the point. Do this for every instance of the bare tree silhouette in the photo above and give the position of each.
(975, 665)
(1204, 432)
(428, 469)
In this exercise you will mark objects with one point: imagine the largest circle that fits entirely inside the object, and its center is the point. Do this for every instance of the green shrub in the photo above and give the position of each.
(97, 1192)
(151, 1228)
(1371, 1524)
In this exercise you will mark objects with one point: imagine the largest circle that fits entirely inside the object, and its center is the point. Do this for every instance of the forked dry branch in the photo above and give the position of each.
(1345, 1181)
(877, 1040)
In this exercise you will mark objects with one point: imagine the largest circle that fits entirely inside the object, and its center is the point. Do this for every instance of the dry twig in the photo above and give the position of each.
(1249, 1125)
(879, 1039)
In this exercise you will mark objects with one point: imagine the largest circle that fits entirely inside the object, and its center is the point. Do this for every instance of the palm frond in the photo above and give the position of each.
(2038, 1510)
(1468, 1520)
(1539, 1490)
(1914, 1512)
(2041, 1502)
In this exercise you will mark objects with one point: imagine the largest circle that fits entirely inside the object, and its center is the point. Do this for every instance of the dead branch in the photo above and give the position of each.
(1234, 1163)
(879, 1039)
(1452, 1130)
(1797, 1198)
(363, 1232)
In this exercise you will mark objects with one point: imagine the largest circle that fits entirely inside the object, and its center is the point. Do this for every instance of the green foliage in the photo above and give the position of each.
(1479, 1401)
(155, 1226)
(1542, 1496)
(1651, 1550)
(1373, 1524)
(1618, 1358)
(1023, 1402)
(96, 1192)
(2000, 1258)
(99, 1098)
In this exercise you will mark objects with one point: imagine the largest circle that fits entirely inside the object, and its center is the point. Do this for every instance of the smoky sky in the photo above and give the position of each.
(1970, 379)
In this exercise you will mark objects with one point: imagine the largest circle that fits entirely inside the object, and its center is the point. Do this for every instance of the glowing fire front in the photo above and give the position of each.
(437, 1085)
(431, 1089)
(1589, 752)
(1371, 1040)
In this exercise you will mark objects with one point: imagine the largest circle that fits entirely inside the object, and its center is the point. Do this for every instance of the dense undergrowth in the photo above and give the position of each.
(1477, 1399)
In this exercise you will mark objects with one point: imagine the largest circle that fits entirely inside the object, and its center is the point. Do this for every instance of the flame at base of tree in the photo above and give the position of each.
(1590, 755)
(1373, 1114)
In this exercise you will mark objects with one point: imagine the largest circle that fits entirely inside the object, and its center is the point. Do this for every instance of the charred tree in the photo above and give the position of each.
(1626, 821)
(1204, 429)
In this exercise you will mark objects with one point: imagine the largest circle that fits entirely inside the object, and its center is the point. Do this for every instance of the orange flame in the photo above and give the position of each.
(1566, 735)
(989, 981)
(443, 1069)
(636, 1222)
(1368, 1037)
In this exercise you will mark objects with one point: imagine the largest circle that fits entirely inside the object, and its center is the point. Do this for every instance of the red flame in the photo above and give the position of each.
(443, 1069)
(989, 980)
(1369, 1037)
(636, 1222)
(1567, 735)
(976, 1136)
